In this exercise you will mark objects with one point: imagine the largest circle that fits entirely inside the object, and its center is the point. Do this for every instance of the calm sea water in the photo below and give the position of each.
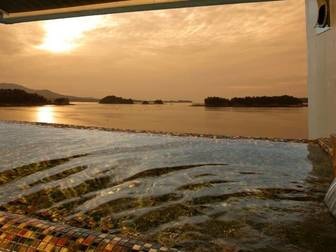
(180, 118)
(191, 193)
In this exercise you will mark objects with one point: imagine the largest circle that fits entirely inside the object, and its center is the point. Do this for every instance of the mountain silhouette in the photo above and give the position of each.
(50, 95)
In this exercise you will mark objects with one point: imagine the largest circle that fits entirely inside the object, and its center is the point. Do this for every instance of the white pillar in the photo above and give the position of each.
(321, 71)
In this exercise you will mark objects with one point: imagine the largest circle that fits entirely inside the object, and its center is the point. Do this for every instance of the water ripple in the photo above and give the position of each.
(191, 193)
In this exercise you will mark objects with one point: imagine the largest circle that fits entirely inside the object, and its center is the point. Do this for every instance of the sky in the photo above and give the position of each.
(228, 50)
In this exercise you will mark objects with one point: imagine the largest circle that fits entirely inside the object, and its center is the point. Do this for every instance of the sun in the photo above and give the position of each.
(65, 35)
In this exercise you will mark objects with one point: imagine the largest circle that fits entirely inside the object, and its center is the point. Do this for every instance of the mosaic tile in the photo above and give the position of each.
(24, 234)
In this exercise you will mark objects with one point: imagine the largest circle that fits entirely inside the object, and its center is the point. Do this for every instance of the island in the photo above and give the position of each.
(62, 101)
(146, 102)
(115, 100)
(17, 97)
(256, 101)
(159, 102)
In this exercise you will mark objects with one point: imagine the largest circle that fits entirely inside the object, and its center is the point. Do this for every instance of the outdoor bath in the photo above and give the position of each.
(188, 193)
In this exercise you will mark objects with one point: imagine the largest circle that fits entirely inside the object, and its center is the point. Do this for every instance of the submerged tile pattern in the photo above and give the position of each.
(21, 233)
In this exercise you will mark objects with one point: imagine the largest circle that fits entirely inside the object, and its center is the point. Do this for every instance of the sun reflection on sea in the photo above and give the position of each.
(45, 114)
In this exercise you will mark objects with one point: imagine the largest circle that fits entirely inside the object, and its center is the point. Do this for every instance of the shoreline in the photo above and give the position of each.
(211, 136)
(271, 106)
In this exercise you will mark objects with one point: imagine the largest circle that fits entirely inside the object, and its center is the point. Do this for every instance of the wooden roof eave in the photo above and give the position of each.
(110, 8)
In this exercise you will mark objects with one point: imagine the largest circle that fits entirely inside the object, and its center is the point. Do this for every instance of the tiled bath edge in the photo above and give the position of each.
(22, 233)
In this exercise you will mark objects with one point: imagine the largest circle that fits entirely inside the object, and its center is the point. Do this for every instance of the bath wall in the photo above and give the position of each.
(321, 71)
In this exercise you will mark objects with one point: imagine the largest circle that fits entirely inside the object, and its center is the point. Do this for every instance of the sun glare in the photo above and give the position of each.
(45, 114)
(65, 35)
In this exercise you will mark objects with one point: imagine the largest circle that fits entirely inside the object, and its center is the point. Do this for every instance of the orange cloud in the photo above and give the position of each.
(245, 49)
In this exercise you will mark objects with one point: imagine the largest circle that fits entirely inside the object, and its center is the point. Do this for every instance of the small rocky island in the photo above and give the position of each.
(155, 102)
(158, 102)
(62, 101)
(115, 100)
(120, 100)
(256, 101)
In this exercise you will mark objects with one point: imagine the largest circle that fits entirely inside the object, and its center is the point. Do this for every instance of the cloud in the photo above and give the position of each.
(16, 40)
(245, 49)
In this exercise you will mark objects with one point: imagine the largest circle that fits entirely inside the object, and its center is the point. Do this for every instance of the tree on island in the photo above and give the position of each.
(216, 102)
(115, 100)
(160, 102)
(145, 102)
(255, 101)
(17, 97)
(62, 101)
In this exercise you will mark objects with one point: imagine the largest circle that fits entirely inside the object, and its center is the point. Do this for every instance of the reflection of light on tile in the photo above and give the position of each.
(45, 114)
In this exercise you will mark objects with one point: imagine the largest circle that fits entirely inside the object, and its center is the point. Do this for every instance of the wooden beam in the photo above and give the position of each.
(110, 8)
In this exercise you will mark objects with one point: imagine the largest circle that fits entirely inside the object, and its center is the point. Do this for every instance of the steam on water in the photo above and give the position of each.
(195, 194)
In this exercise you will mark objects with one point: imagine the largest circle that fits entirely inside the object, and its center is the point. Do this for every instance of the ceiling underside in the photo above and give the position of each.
(14, 11)
(15, 6)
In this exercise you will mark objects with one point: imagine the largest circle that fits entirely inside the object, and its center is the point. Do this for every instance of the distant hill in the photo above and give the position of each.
(50, 95)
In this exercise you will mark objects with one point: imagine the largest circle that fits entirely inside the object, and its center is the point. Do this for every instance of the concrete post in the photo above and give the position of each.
(321, 71)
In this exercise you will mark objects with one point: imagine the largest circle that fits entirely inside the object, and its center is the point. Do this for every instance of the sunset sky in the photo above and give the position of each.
(229, 50)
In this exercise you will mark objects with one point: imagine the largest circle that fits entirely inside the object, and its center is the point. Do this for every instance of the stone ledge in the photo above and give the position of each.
(325, 144)
(164, 133)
